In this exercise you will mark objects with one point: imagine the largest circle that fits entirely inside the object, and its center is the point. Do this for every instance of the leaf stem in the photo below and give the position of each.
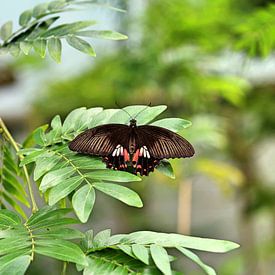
(21, 157)
(64, 269)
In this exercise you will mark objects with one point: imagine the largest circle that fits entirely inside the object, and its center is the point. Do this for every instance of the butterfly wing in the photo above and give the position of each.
(163, 143)
(101, 140)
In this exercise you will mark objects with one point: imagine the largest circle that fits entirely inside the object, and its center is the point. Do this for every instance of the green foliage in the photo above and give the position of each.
(143, 252)
(11, 183)
(45, 233)
(36, 31)
(62, 172)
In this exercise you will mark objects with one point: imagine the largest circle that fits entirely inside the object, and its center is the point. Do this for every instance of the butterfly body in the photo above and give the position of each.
(137, 149)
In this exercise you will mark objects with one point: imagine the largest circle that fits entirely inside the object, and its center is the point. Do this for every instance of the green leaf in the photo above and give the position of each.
(14, 49)
(142, 113)
(104, 117)
(80, 45)
(33, 156)
(166, 168)
(40, 10)
(103, 34)
(55, 48)
(87, 162)
(119, 192)
(173, 124)
(55, 177)
(45, 213)
(175, 240)
(66, 29)
(71, 121)
(63, 189)
(44, 165)
(25, 18)
(40, 46)
(101, 238)
(17, 266)
(208, 269)
(111, 175)
(8, 218)
(161, 259)
(59, 233)
(62, 250)
(25, 47)
(57, 5)
(83, 201)
(127, 249)
(6, 30)
(141, 252)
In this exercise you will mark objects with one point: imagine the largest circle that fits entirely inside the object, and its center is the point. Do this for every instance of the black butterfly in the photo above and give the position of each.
(140, 148)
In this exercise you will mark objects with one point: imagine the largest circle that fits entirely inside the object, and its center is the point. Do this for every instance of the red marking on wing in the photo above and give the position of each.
(126, 155)
(135, 157)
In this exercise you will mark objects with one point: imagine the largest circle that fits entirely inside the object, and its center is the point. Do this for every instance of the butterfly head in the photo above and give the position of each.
(133, 123)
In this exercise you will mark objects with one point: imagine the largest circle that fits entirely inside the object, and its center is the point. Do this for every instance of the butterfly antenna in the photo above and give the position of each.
(149, 105)
(123, 110)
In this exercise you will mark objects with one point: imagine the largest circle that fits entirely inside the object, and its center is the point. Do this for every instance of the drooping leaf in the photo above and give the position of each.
(83, 202)
(166, 168)
(80, 45)
(119, 192)
(141, 252)
(208, 269)
(40, 46)
(14, 49)
(55, 48)
(25, 47)
(161, 259)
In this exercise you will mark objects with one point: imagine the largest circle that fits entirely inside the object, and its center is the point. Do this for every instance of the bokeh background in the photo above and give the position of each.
(210, 62)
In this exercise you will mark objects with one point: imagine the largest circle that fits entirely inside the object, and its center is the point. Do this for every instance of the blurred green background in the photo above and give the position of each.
(210, 62)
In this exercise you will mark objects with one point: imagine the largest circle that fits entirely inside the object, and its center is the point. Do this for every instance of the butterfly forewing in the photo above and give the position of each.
(101, 140)
(163, 143)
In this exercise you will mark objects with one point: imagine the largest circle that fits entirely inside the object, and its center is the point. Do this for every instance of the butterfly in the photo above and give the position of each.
(137, 149)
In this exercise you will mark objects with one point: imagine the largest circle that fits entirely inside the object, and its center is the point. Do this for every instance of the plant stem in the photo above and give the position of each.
(63, 272)
(21, 157)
